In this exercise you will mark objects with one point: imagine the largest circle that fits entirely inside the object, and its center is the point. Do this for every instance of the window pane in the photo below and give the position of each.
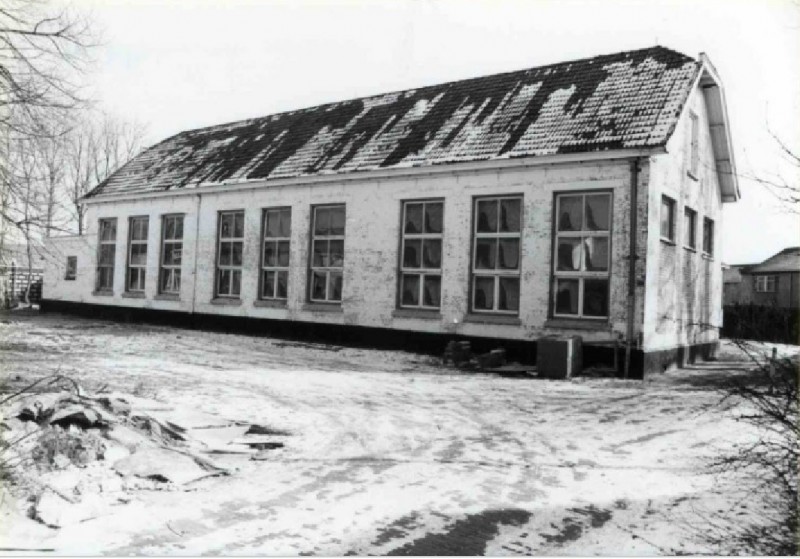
(178, 228)
(596, 253)
(433, 217)
(432, 291)
(320, 253)
(270, 253)
(485, 252)
(597, 212)
(283, 285)
(336, 253)
(226, 226)
(169, 228)
(170, 281)
(508, 297)
(108, 229)
(138, 255)
(285, 229)
(237, 253)
(337, 220)
(105, 278)
(268, 284)
(106, 257)
(318, 282)
(322, 221)
(335, 286)
(224, 282)
(567, 296)
(569, 255)
(484, 293)
(487, 216)
(139, 229)
(238, 227)
(509, 254)
(411, 253)
(283, 253)
(410, 290)
(236, 282)
(272, 228)
(570, 214)
(510, 215)
(595, 297)
(689, 228)
(432, 253)
(413, 223)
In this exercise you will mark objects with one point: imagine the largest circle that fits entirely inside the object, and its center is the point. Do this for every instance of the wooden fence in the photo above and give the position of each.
(14, 281)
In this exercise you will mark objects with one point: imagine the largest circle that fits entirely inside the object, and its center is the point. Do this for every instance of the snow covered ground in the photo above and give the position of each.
(390, 453)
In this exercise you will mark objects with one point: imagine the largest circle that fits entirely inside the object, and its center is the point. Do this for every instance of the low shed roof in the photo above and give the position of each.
(787, 260)
(626, 100)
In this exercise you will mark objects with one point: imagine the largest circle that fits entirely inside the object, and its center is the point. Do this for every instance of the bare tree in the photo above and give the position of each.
(93, 151)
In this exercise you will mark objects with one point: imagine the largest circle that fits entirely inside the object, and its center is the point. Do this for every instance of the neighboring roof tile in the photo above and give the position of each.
(626, 100)
(787, 260)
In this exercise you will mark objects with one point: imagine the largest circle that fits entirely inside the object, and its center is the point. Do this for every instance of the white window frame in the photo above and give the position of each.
(169, 275)
(232, 269)
(422, 271)
(690, 222)
(136, 274)
(101, 242)
(329, 271)
(277, 269)
(671, 204)
(497, 273)
(765, 283)
(581, 274)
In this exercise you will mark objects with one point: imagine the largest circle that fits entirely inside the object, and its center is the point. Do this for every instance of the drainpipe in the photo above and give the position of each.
(632, 264)
(196, 249)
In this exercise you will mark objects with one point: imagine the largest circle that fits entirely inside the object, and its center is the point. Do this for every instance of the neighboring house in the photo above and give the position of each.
(577, 198)
(775, 282)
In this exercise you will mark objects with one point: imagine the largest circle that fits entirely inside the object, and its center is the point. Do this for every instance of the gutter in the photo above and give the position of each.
(632, 257)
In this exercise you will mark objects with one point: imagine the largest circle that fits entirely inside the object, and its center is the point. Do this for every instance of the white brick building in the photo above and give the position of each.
(499, 207)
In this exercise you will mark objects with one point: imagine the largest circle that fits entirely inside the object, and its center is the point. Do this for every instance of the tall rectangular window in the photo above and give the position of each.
(668, 219)
(137, 253)
(277, 227)
(708, 236)
(496, 254)
(106, 253)
(72, 268)
(327, 253)
(230, 247)
(421, 258)
(689, 228)
(171, 254)
(695, 146)
(582, 255)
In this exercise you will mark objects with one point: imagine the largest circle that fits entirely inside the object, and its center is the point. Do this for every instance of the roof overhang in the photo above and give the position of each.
(719, 126)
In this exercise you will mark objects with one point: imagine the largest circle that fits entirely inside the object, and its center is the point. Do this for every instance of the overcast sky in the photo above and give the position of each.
(184, 64)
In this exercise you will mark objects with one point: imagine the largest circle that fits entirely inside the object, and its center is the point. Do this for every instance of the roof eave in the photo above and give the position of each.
(386, 174)
(719, 125)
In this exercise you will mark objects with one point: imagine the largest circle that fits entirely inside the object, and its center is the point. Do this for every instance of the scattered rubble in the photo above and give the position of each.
(73, 454)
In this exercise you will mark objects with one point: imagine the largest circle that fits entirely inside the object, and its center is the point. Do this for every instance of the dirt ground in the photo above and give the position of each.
(391, 454)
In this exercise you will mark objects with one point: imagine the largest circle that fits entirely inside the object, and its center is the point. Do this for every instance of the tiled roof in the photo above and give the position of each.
(787, 260)
(625, 100)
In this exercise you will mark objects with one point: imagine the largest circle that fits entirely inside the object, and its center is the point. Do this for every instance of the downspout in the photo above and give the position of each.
(196, 250)
(632, 257)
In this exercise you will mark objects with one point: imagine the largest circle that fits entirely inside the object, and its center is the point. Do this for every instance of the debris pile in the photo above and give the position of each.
(72, 454)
